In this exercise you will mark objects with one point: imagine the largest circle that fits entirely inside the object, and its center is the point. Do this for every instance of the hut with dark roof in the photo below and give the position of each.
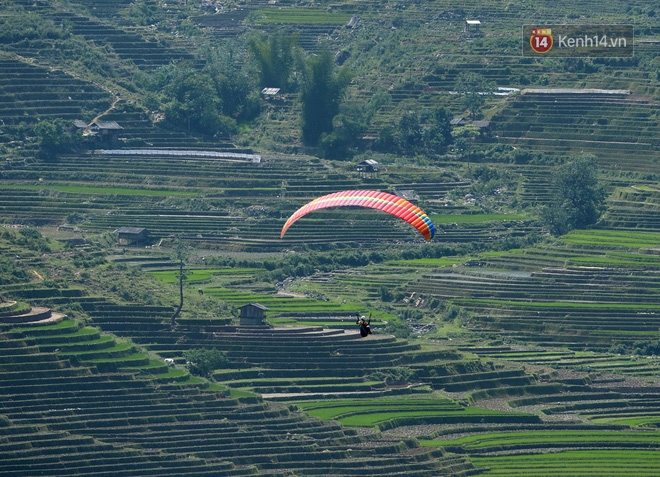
(106, 131)
(253, 314)
(132, 235)
(368, 168)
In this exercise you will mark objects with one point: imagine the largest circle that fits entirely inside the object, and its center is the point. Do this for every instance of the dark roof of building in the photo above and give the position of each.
(270, 91)
(481, 124)
(457, 121)
(255, 305)
(368, 162)
(107, 125)
(130, 230)
(79, 123)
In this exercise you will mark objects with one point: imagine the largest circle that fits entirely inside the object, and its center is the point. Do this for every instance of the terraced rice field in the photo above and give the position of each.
(523, 380)
(544, 453)
(390, 412)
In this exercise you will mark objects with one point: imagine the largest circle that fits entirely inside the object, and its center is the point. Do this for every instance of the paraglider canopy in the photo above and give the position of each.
(390, 203)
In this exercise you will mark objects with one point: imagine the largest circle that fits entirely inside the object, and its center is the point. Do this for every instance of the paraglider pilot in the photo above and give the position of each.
(364, 324)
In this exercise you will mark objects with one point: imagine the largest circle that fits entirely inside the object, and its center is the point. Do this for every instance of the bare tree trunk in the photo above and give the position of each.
(178, 310)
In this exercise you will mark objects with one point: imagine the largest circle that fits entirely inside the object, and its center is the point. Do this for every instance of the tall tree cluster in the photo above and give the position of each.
(578, 196)
(210, 100)
(276, 58)
(473, 88)
(322, 90)
(417, 133)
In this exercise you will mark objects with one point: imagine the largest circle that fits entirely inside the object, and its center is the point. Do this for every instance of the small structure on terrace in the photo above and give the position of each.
(459, 121)
(106, 131)
(368, 168)
(484, 127)
(270, 93)
(132, 235)
(253, 314)
(472, 25)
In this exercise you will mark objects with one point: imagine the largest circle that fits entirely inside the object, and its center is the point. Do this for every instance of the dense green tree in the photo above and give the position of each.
(11, 272)
(417, 133)
(210, 100)
(473, 87)
(437, 132)
(322, 91)
(143, 12)
(202, 361)
(193, 102)
(578, 197)
(55, 137)
(275, 57)
(409, 132)
(17, 24)
(234, 81)
(341, 143)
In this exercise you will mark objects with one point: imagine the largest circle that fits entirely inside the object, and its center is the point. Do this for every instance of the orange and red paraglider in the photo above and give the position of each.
(392, 204)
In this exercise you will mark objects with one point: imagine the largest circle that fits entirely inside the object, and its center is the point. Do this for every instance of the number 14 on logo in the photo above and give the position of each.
(541, 40)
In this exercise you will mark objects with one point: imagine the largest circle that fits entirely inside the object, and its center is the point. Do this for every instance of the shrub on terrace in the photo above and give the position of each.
(143, 13)
(30, 239)
(346, 132)
(11, 272)
(400, 329)
(17, 25)
(640, 348)
(209, 101)
(417, 132)
(204, 360)
(55, 138)
(473, 87)
(578, 197)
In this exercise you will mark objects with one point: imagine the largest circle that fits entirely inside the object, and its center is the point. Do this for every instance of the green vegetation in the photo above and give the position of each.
(54, 138)
(275, 57)
(568, 463)
(170, 276)
(419, 409)
(614, 238)
(473, 88)
(475, 218)
(295, 16)
(101, 190)
(322, 91)
(203, 361)
(578, 196)
(279, 303)
(500, 348)
(499, 441)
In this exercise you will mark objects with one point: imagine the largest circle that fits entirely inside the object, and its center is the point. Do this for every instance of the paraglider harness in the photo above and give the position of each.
(364, 324)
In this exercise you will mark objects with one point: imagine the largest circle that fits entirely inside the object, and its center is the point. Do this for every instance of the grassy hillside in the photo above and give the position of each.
(496, 346)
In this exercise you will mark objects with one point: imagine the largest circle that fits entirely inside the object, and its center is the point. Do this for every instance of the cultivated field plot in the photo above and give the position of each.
(543, 452)
(607, 125)
(497, 349)
(387, 413)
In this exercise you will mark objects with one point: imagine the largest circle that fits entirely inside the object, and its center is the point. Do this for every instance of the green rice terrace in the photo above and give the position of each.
(153, 320)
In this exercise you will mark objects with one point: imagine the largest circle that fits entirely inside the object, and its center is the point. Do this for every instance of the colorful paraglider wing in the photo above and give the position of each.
(392, 204)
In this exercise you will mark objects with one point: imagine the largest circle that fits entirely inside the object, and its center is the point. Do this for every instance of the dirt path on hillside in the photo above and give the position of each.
(35, 62)
(112, 106)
